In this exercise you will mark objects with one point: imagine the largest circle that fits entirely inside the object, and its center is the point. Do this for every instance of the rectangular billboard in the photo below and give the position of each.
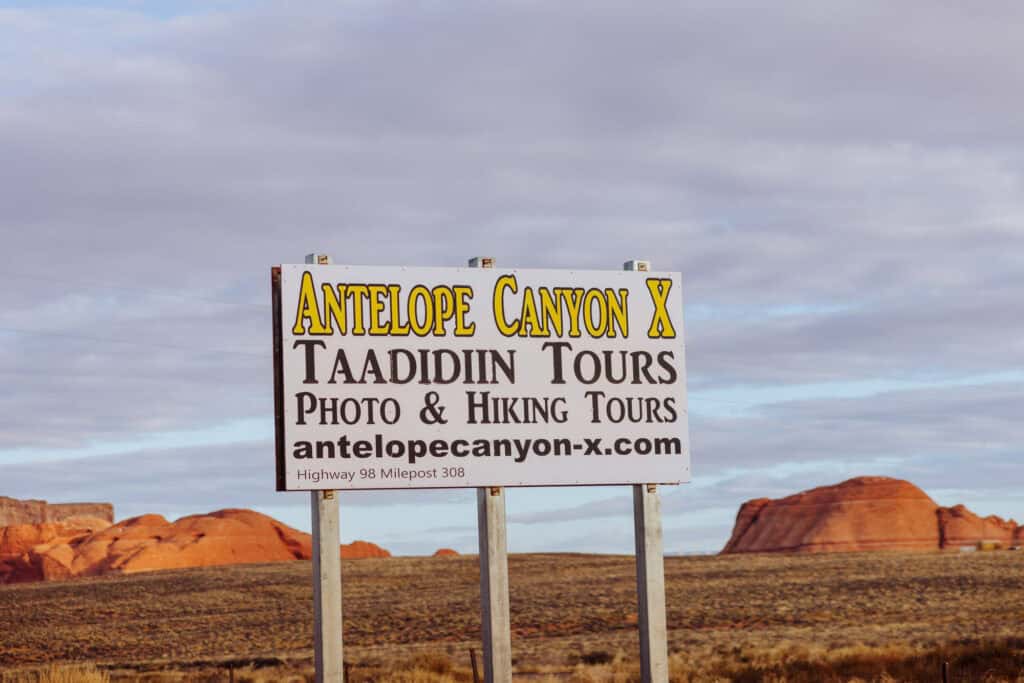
(393, 377)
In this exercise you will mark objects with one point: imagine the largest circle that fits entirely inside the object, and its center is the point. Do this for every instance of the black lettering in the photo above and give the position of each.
(308, 346)
(411, 365)
(341, 365)
(371, 365)
(665, 359)
(556, 359)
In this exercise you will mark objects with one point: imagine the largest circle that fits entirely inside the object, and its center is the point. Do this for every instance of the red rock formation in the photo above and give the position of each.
(21, 538)
(361, 550)
(58, 512)
(150, 542)
(225, 537)
(446, 552)
(745, 518)
(866, 513)
(14, 511)
(18, 543)
(961, 527)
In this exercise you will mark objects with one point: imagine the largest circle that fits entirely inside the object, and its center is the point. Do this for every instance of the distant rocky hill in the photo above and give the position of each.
(865, 513)
(14, 511)
(89, 546)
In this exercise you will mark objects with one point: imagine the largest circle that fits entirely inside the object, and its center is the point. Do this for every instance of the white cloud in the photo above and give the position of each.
(857, 165)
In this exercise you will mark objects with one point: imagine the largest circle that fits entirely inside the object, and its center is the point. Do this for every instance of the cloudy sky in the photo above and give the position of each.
(841, 185)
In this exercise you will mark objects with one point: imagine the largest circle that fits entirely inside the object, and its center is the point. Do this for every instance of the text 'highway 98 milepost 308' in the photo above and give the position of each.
(391, 377)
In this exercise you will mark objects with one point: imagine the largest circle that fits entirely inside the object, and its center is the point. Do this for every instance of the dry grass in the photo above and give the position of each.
(57, 673)
(782, 618)
(986, 663)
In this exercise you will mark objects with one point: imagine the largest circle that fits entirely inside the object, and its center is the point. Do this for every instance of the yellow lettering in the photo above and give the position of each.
(396, 327)
(463, 295)
(529, 320)
(619, 310)
(595, 296)
(573, 299)
(551, 311)
(444, 309)
(377, 304)
(420, 294)
(504, 282)
(334, 308)
(359, 294)
(661, 324)
(307, 309)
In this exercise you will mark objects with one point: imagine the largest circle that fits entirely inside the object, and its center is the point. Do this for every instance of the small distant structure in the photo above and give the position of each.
(987, 546)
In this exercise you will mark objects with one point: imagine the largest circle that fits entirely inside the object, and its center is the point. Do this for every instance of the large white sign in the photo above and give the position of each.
(449, 377)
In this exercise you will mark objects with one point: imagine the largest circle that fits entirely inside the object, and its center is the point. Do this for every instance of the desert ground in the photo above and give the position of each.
(855, 616)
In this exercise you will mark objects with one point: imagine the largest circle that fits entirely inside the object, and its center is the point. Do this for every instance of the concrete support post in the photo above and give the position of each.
(494, 603)
(650, 569)
(327, 643)
(650, 581)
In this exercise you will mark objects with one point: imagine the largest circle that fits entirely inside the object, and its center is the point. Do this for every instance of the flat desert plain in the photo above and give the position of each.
(730, 617)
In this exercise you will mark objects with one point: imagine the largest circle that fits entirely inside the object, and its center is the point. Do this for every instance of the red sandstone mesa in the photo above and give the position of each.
(150, 542)
(14, 511)
(959, 526)
(446, 552)
(865, 513)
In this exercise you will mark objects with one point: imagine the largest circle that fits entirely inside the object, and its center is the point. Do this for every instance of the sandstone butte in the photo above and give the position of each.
(88, 546)
(865, 513)
(446, 552)
(14, 511)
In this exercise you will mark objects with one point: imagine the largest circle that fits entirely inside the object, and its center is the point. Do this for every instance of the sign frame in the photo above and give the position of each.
(671, 466)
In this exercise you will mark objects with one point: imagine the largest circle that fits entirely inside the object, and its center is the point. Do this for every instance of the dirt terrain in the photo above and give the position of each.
(565, 608)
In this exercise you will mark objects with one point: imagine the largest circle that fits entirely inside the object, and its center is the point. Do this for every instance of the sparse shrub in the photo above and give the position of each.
(428, 667)
(596, 657)
(157, 677)
(618, 670)
(59, 673)
(432, 662)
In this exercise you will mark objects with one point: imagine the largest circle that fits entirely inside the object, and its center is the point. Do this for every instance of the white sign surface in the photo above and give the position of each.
(390, 377)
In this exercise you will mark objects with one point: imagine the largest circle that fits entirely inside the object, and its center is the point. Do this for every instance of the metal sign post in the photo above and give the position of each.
(494, 604)
(650, 569)
(327, 638)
